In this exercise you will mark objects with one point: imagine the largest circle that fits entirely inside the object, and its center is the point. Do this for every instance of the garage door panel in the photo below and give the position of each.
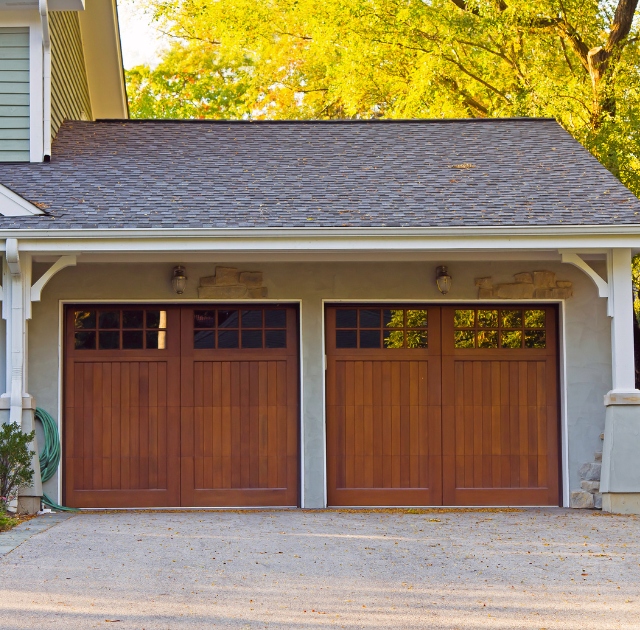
(382, 445)
(500, 435)
(382, 406)
(240, 421)
(121, 430)
(480, 428)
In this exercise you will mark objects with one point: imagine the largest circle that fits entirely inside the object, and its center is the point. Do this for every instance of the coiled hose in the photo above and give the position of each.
(50, 455)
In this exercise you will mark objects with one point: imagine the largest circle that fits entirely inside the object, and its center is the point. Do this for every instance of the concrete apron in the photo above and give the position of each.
(620, 480)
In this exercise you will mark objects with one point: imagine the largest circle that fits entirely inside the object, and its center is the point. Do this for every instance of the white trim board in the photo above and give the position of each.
(13, 205)
(303, 242)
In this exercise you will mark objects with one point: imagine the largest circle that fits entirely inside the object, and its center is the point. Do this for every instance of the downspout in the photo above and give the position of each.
(46, 105)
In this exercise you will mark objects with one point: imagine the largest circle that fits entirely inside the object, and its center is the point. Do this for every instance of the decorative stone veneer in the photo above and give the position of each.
(229, 283)
(589, 495)
(526, 285)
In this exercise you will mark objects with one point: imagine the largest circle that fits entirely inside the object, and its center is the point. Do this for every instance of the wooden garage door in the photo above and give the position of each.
(435, 405)
(239, 406)
(383, 406)
(181, 406)
(122, 407)
(500, 406)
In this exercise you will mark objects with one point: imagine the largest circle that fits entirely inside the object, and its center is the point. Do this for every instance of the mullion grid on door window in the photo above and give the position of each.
(376, 328)
(120, 329)
(495, 328)
(239, 328)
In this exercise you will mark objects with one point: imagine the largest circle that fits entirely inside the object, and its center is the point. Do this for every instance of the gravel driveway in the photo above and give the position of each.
(302, 569)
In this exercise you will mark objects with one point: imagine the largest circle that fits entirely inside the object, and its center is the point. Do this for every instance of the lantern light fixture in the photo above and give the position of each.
(443, 280)
(179, 280)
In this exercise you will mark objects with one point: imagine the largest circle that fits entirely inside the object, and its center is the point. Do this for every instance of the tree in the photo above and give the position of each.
(575, 60)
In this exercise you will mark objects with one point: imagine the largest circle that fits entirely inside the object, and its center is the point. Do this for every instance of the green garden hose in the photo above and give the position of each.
(50, 456)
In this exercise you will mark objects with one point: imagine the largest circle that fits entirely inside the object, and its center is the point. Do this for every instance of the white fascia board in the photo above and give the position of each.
(36, 89)
(12, 205)
(17, 5)
(66, 5)
(302, 240)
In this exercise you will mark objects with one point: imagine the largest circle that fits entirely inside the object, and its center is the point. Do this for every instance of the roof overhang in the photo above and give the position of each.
(103, 59)
(53, 5)
(301, 243)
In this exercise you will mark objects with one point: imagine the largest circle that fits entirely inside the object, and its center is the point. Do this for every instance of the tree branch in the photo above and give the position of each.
(476, 77)
(566, 54)
(622, 22)
(305, 37)
(462, 4)
(471, 102)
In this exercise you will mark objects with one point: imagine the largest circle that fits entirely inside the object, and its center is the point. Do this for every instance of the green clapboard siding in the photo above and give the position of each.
(69, 88)
(14, 94)
(14, 134)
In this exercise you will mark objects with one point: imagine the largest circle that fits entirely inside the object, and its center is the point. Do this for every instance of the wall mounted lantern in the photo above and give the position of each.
(179, 280)
(443, 280)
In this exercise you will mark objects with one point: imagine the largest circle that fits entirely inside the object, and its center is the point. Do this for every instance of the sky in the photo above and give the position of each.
(141, 41)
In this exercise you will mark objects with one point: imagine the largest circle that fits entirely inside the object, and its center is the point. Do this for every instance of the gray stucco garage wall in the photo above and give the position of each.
(586, 330)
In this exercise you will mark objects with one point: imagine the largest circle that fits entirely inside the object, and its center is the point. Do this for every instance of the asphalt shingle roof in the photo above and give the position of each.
(422, 173)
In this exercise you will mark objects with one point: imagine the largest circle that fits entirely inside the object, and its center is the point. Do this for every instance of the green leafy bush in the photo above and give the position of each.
(15, 462)
(7, 522)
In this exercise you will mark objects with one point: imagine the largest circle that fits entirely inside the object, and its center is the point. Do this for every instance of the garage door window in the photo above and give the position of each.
(499, 328)
(377, 328)
(248, 328)
(120, 329)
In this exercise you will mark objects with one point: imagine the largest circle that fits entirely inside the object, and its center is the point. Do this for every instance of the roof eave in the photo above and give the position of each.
(303, 240)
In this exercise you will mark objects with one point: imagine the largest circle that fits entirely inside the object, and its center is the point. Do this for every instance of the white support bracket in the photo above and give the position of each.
(59, 265)
(13, 256)
(604, 291)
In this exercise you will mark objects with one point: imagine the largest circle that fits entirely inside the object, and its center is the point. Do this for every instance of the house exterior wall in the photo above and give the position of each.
(584, 331)
(14, 94)
(69, 88)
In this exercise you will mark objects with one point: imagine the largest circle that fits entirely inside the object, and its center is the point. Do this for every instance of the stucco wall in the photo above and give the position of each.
(586, 330)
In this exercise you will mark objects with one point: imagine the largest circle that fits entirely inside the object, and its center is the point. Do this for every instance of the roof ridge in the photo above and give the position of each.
(313, 121)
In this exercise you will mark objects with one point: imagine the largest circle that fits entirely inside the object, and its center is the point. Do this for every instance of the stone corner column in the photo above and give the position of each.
(29, 499)
(620, 479)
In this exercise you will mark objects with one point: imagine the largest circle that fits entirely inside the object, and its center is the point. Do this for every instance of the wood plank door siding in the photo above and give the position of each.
(459, 410)
(500, 429)
(239, 406)
(180, 406)
(122, 407)
(383, 406)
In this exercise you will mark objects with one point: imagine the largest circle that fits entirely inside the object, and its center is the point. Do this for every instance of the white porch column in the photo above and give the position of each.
(620, 477)
(621, 296)
(16, 405)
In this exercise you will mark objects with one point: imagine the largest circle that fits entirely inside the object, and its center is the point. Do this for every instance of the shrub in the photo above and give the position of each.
(7, 522)
(15, 462)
